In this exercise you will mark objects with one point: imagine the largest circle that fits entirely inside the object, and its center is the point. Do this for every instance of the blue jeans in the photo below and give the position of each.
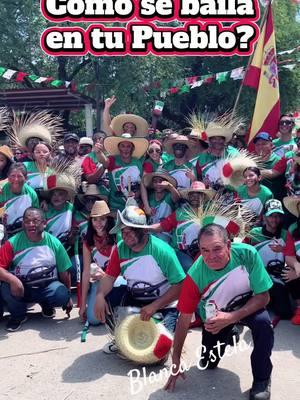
(120, 296)
(90, 314)
(53, 295)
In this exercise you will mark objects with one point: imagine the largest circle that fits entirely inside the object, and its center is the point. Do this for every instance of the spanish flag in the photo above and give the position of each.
(262, 75)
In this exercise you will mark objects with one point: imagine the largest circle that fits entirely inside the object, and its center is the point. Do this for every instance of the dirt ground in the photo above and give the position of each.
(46, 360)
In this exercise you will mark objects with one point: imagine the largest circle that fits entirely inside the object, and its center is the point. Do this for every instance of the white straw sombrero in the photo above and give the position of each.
(144, 342)
(42, 125)
(141, 124)
(224, 125)
(140, 144)
(178, 139)
(131, 216)
(291, 204)
(91, 190)
(233, 168)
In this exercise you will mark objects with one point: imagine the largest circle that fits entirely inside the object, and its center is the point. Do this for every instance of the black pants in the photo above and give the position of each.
(263, 341)
(281, 294)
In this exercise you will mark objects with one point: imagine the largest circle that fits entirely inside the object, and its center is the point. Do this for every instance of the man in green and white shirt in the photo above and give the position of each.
(34, 267)
(150, 267)
(232, 279)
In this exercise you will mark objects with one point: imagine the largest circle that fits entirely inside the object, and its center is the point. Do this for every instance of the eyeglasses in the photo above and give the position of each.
(286, 122)
(154, 151)
(18, 153)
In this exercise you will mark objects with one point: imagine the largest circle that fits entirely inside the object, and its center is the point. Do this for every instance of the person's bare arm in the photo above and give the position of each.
(155, 228)
(144, 196)
(16, 286)
(106, 114)
(101, 307)
(270, 173)
(95, 176)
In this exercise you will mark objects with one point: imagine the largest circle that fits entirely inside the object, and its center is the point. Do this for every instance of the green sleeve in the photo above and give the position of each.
(169, 263)
(260, 280)
(35, 200)
(63, 262)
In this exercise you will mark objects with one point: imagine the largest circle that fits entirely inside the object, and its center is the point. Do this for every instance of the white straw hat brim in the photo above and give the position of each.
(140, 145)
(141, 124)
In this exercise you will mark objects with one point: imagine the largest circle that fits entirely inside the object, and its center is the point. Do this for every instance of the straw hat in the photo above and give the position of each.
(141, 124)
(62, 176)
(197, 187)
(147, 179)
(140, 144)
(131, 216)
(4, 118)
(144, 342)
(233, 168)
(179, 139)
(291, 204)
(91, 190)
(224, 125)
(43, 125)
(6, 151)
(100, 209)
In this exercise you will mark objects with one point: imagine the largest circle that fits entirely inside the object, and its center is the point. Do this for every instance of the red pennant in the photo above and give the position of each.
(173, 90)
(20, 76)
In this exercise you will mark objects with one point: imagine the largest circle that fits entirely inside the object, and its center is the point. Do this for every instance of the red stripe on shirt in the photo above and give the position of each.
(114, 266)
(189, 296)
(6, 255)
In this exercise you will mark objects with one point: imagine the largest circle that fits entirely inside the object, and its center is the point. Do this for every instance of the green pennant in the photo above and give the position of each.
(2, 70)
(33, 77)
(185, 89)
(56, 83)
(222, 76)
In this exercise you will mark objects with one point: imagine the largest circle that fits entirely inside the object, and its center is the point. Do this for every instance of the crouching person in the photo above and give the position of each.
(34, 268)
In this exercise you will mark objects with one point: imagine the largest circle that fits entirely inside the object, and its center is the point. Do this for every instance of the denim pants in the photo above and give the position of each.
(282, 293)
(263, 340)
(120, 296)
(53, 295)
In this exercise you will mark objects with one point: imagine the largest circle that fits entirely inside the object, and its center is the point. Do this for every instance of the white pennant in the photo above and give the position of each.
(9, 74)
(196, 84)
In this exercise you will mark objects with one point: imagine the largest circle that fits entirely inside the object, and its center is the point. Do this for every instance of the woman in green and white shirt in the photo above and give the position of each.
(253, 194)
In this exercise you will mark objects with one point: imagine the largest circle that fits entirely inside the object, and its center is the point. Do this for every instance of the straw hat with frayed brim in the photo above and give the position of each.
(147, 179)
(208, 193)
(111, 144)
(180, 139)
(60, 182)
(131, 216)
(6, 151)
(92, 190)
(141, 124)
(144, 342)
(100, 209)
(291, 203)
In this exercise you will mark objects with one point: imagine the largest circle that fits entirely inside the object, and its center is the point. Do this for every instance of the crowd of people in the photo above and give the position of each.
(149, 222)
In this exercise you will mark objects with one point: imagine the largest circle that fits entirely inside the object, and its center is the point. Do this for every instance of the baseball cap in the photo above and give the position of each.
(86, 140)
(263, 136)
(71, 136)
(273, 206)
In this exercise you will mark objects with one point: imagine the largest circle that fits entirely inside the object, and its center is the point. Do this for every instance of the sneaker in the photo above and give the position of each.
(261, 390)
(48, 312)
(14, 325)
(110, 348)
(296, 318)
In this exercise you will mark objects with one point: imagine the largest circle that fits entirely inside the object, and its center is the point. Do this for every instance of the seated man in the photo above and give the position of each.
(231, 277)
(34, 267)
(150, 267)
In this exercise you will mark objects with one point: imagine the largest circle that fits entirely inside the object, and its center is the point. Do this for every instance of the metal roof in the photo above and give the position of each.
(44, 98)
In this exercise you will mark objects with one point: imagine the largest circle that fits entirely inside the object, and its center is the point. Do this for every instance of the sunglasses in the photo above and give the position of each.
(154, 151)
(287, 122)
(18, 153)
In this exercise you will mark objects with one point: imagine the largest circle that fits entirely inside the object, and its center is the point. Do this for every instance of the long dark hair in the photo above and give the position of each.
(91, 232)
(4, 172)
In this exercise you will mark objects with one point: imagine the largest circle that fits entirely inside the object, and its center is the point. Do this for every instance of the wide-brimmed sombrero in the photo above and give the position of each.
(141, 124)
(178, 139)
(208, 126)
(291, 203)
(144, 342)
(197, 187)
(62, 176)
(147, 179)
(6, 151)
(140, 144)
(131, 216)
(91, 190)
(42, 125)
(233, 168)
